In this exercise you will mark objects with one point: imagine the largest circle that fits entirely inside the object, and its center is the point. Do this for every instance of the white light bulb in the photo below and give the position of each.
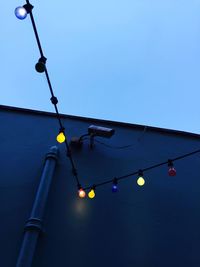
(20, 12)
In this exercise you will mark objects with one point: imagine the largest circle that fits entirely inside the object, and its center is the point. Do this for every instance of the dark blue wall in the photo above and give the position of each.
(156, 225)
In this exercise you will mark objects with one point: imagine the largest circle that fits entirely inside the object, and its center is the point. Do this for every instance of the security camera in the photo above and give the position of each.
(100, 131)
(93, 130)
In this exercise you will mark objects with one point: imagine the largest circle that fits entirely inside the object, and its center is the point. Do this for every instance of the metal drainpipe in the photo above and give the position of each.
(33, 226)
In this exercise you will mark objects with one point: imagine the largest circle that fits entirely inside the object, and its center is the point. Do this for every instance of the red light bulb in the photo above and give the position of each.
(172, 171)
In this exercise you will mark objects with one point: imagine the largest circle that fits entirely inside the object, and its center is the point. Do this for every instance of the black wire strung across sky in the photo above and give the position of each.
(21, 13)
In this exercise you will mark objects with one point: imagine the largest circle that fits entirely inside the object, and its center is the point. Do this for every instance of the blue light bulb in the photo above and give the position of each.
(20, 12)
(114, 188)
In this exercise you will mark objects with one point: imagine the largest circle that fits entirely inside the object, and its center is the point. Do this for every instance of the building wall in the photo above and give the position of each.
(156, 225)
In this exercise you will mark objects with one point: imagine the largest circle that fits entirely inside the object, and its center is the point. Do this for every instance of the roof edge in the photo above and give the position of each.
(123, 124)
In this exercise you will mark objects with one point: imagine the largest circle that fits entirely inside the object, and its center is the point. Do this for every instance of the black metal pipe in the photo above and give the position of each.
(34, 225)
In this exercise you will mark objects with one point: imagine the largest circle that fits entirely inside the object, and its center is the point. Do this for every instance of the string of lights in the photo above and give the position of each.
(140, 173)
(21, 13)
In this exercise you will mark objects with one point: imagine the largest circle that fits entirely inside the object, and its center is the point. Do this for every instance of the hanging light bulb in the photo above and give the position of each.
(114, 186)
(41, 65)
(61, 136)
(171, 170)
(140, 180)
(91, 194)
(81, 193)
(21, 12)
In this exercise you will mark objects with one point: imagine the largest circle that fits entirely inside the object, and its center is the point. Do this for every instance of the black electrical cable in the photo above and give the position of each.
(53, 98)
(35, 31)
(110, 180)
(113, 147)
(84, 137)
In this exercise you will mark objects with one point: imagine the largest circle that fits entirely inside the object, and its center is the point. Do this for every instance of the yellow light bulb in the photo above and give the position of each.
(140, 181)
(91, 194)
(60, 137)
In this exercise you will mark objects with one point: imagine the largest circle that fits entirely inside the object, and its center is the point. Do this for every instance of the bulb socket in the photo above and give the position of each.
(41, 65)
(28, 8)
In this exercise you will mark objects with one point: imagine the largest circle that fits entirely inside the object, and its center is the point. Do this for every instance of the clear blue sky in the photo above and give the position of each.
(134, 61)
